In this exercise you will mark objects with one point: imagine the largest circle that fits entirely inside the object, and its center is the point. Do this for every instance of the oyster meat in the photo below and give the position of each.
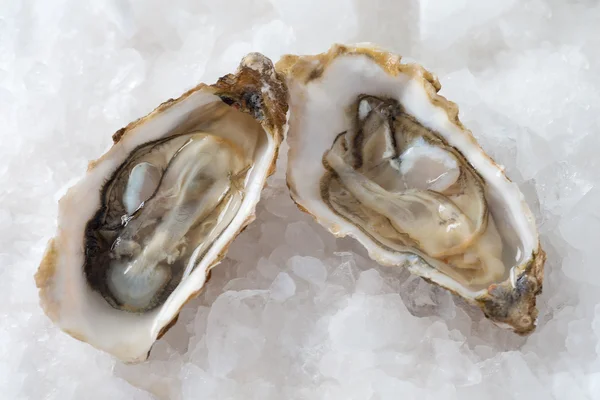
(377, 154)
(138, 235)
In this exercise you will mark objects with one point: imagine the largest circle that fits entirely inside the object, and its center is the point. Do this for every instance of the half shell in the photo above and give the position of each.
(375, 153)
(139, 234)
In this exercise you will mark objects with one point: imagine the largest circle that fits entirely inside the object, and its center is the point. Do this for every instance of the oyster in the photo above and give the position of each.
(138, 235)
(375, 153)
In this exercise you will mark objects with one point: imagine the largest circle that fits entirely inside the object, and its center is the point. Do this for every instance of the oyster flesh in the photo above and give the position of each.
(375, 153)
(138, 235)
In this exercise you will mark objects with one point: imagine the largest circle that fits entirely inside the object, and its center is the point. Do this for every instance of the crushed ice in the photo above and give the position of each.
(293, 312)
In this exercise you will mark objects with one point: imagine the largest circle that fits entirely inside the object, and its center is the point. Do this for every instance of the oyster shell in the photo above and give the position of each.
(138, 235)
(375, 153)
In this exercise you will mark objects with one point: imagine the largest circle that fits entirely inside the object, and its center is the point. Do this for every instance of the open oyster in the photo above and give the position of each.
(138, 235)
(376, 154)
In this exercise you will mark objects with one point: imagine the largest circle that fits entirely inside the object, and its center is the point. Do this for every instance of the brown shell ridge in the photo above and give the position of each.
(515, 304)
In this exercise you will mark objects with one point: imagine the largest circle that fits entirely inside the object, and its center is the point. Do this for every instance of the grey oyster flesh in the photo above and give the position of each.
(406, 188)
(160, 212)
